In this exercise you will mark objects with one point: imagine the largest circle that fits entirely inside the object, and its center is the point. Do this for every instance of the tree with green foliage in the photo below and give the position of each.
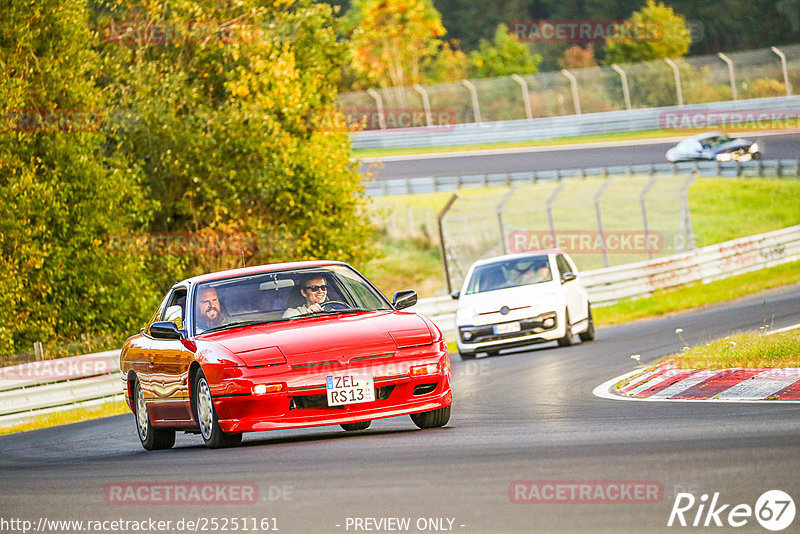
(62, 192)
(390, 40)
(662, 34)
(504, 56)
(232, 129)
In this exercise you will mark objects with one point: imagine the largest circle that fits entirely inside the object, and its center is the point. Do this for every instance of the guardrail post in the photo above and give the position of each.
(38, 351)
(624, 79)
(442, 243)
(599, 216)
(473, 92)
(731, 75)
(379, 105)
(677, 75)
(786, 81)
(526, 100)
(573, 82)
(426, 103)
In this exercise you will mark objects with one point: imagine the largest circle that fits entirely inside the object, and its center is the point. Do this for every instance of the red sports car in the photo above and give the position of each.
(282, 346)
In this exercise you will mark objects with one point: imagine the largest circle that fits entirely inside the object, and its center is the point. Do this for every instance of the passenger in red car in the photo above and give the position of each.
(315, 291)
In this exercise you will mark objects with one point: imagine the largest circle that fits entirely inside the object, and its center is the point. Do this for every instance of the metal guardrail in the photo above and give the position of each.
(754, 168)
(41, 387)
(609, 285)
(634, 120)
(47, 386)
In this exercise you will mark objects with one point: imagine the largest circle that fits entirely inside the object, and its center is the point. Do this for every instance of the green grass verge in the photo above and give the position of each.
(692, 296)
(69, 416)
(751, 350)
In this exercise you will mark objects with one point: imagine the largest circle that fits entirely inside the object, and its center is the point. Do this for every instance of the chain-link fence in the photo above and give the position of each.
(692, 80)
(599, 221)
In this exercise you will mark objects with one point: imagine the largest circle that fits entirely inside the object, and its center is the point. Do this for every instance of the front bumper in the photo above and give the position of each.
(540, 329)
(302, 403)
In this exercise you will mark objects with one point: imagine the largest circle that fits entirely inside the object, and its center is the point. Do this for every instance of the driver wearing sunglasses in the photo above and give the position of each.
(315, 291)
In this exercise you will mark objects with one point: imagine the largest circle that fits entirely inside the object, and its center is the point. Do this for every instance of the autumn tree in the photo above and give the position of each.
(230, 129)
(503, 56)
(654, 32)
(63, 191)
(390, 39)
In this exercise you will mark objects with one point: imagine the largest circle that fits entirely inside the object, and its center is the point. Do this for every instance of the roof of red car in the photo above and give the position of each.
(260, 269)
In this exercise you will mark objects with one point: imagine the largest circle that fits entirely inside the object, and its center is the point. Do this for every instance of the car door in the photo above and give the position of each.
(170, 361)
(574, 293)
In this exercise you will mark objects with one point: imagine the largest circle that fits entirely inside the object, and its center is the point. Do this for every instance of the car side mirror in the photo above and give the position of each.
(404, 299)
(568, 277)
(165, 330)
(455, 294)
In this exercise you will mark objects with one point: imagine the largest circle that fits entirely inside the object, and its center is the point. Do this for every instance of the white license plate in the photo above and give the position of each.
(506, 328)
(349, 389)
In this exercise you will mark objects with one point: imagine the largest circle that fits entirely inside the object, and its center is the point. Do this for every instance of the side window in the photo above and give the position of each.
(176, 308)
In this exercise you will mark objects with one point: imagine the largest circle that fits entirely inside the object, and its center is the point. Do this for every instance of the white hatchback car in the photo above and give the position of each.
(521, 299)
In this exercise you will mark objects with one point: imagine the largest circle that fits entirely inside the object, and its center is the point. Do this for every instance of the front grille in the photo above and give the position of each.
(486, 333)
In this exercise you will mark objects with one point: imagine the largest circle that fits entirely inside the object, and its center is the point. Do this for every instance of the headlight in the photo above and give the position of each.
(753, 148)
(725, 156)
(466, 315)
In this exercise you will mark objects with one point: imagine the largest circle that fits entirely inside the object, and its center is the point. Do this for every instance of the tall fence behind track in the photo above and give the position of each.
(688, 81)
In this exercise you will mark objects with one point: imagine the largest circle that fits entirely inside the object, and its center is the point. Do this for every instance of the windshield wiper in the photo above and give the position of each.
(327, 312)
(228, 326)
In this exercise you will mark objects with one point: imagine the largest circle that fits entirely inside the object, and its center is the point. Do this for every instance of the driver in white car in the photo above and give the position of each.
(315, 291)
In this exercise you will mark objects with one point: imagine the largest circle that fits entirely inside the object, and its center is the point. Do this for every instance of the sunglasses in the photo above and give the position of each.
(316, 288)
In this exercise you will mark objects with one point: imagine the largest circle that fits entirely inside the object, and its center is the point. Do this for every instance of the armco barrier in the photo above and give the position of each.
(41, 387)
(37, 388)
(635, 120)
(778, 168)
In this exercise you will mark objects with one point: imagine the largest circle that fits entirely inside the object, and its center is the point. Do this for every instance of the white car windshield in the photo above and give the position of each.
(510, 273)
(266, 297)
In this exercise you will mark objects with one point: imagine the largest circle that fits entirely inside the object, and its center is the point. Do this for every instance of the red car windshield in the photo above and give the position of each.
(281, 296)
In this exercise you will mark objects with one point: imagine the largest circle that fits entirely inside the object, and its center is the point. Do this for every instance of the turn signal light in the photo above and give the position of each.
(260, 389)
(424, 369)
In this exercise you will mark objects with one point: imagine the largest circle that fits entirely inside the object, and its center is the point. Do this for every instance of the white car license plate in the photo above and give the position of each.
(506, 328)
(349, 389)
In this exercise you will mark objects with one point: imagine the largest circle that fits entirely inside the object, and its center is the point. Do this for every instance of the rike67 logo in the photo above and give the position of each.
(774, 510)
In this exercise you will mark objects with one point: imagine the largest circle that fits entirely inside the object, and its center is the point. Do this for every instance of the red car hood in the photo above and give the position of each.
(331, 338)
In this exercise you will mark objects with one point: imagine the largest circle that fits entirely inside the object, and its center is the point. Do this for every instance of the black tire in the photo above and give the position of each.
(213, 435)
(588, 335)
(352, 427)
(432, 419)
(567, 340)
(466, 355)
(151, 438)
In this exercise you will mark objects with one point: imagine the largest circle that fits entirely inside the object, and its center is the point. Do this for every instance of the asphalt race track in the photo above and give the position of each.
(528, 415)
(551, 158)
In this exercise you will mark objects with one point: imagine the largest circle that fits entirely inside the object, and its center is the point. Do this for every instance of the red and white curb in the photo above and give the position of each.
(668, 383)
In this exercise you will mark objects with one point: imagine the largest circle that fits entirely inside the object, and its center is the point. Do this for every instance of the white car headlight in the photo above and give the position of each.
(753, 148)
(466, 315)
